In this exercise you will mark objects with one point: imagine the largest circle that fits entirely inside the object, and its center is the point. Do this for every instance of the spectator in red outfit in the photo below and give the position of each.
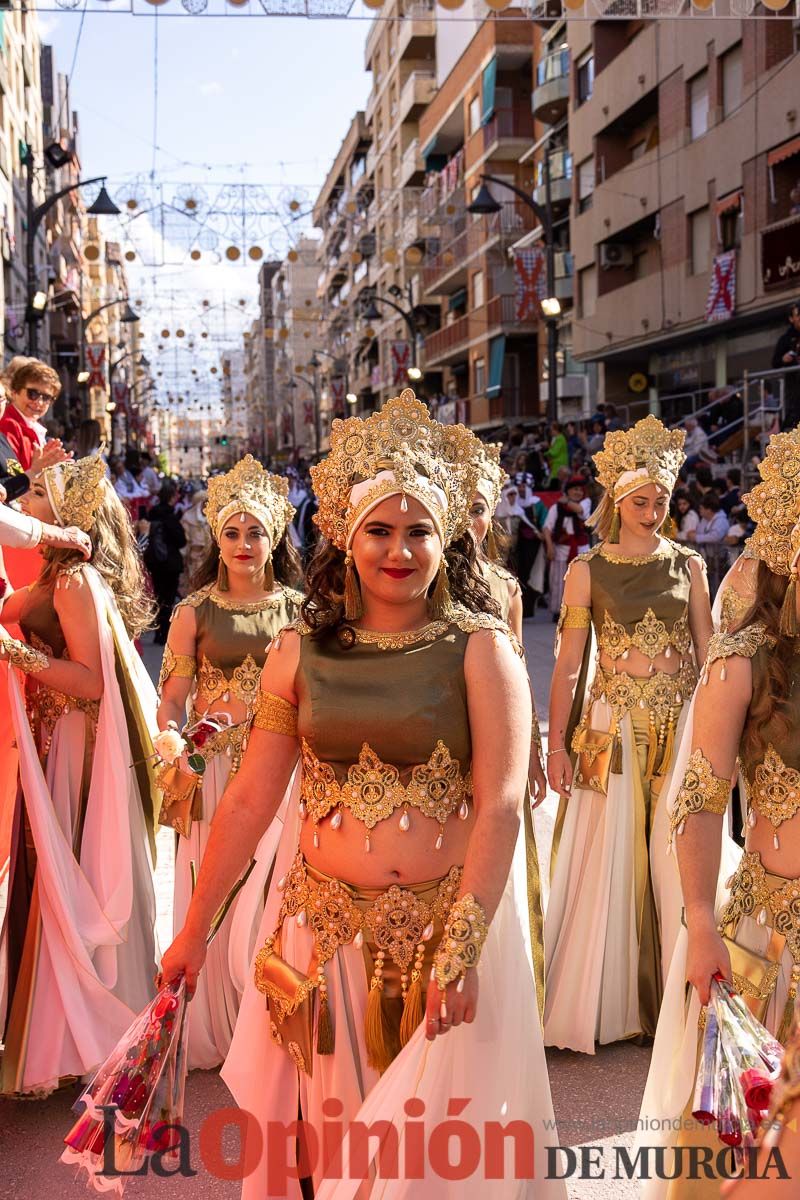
(32, 389)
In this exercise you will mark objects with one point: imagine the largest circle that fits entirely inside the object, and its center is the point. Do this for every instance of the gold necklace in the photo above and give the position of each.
(247, 606)
(639, 560)
(396, 641)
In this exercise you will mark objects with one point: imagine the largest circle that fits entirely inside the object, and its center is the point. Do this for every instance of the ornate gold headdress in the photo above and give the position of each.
(632, 458)
(75, 490)
(491, 476)
(774, 504)
(249, 488)
(398, 450)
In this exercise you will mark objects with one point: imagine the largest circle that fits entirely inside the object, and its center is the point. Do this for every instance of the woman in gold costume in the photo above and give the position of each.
(742, 910)
(614, 908)
(395, 930)
(216, 648)
(77, 947)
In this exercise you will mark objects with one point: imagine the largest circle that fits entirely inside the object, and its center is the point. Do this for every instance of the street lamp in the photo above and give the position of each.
(372, 313)
(103, 206)
(315, 393)
(485, 204)
(129, 317)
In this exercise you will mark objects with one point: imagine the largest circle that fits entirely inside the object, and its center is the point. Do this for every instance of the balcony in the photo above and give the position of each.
(418, 91)
(508, 125)
(416, 37)
(448, 270)
(498, 316)
(560, 179)
(412, 166)
(564, 274)
(550, 98)
(779, 254)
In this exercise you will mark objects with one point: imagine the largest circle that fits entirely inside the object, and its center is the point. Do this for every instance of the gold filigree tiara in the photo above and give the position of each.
(75, 490)
(491, 476)
(249, 488)
(774, 504)
(398, 450)
(632, 458)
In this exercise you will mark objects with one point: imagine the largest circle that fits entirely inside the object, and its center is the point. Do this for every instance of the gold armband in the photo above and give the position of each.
(184, 666)
(274, 714)
(464, 935)
(25, 657)
(700, 791)
(573, 617)
(536, 733)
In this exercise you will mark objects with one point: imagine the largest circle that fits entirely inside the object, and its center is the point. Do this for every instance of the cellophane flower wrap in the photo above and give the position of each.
(739, 1063)
(142, 1084)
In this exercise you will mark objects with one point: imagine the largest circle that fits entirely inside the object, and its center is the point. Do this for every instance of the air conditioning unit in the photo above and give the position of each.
(615, 254)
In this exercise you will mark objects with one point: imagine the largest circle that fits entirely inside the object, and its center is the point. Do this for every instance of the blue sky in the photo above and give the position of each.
(259, 100)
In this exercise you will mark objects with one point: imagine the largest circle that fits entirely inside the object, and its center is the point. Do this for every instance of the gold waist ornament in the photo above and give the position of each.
(46, 706)
(650, 637)
(401, 926)
(231, 741)
(773, 792)
(372, 790)
(213, 684)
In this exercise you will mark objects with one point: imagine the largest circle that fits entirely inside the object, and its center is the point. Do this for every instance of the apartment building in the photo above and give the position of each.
(110, 335)
(294, 316)
(235, 413)
(685, 220)
(480, 121)
(265, 335)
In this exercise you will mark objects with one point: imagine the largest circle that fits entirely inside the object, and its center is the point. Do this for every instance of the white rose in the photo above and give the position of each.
(169, 745)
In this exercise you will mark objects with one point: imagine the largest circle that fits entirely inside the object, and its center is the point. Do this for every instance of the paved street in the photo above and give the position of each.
(596, 1099)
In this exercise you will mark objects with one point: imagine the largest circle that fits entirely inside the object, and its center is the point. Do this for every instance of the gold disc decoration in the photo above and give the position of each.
(91, 252)
(414, 256)
(213, 370)
(350, 206)
(255, 253)
(293, 256)
(390, 255)
(283, 332)
(204, 334)
(637, 382)
(165, 333)
(497, 5)
(269, 334)
(195, 256)
(132, 204)
(373, 3)
(233, 252)
(180, 333)
(130, 256)
(450, 5)
(369, 332)
(294, 206)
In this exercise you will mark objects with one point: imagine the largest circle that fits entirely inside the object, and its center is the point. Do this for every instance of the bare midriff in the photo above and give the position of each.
(638, 664)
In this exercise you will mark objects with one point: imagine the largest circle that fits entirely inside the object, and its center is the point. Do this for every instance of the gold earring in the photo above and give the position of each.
(353, 607)
(222, 577)
(269, 576)
(613, 535)
(440, 601)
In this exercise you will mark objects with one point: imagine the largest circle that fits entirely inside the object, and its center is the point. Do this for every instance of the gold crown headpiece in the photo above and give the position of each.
(774, 504)
(491, 476)
(398, 450)
(647, 453)
(75, 490)
(249, 488)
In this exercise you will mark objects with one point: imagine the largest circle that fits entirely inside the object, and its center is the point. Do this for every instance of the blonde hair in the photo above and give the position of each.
(115, 557)
(600, 520)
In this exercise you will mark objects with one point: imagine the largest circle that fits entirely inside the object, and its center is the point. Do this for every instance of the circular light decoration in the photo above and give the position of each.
(356, 257)
(451, 5)
(283, 332)
(269, 334)
(373, 3)
(180, 333)
(204, 334)
(194, 7)
(294, 206)
(292, 256)
(233, 252)
(91, 252)
(255, 253)
(497, 5)
(130, 256)
(165, 333)
(414, 256)
(206, 303)
(195, 255)
(390, 255)
(156, 3)
(350, 206)
(369, 332)
(132, 204)
(213, 370)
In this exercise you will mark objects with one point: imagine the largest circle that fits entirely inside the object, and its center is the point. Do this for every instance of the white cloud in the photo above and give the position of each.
(212, 88)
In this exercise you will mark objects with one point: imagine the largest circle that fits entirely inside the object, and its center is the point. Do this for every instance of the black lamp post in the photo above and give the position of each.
(485, 204)
(129, 317)
(314, 364)
(372, 313)
(103, 206)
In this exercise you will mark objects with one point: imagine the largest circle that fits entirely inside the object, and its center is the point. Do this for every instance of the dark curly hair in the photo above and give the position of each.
(286, 565)
(773, 701)
(323, 606)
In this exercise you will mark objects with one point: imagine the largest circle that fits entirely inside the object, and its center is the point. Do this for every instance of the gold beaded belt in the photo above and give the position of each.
(231, 741)
(772, 901)
(46, 707)
(373, 790)
(398, 928)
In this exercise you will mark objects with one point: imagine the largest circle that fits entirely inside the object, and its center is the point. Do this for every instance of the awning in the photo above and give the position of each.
(488, 90)
(729, 203)
(457, 300)
(787, 150)
(497, 354)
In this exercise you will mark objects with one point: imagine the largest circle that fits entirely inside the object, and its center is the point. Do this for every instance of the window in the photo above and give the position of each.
(478, 291)
(585, 184)
(474, 114)
(480, 376)
(698, 105)
(700, 235)
(584, 77)
(587, 286)
(731, 80)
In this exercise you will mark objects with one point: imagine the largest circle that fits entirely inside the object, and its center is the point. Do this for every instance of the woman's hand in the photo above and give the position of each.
(559, 772)
(707, 955)
(442, 1015)
(536, 779)
(69, 538)
(49, 455)
(184, 957)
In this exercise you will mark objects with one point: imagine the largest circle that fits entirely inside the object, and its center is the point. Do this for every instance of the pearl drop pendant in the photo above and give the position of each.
(367, 846)
(440, 840)
(761, 919)
(358, 940)
(427, 932)
(723, 674)
(301, 918)
(463, 811)
(302, 810)
(460, 984)
(775, 841)
(678, 698)
(281, 883)
(226, 697)
(405, 822)
(403, 503)
(751, 818)
(336, 819)
(316, 839)
(668, 652)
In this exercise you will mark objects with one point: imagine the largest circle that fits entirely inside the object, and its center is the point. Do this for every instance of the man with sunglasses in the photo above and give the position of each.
(32, 389)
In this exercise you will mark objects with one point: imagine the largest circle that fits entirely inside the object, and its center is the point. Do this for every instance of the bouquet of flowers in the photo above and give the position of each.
(739, 1063)
(181, 788)
(133, 1107)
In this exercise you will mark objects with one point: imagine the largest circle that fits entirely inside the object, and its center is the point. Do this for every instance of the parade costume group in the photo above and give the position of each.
(336, 976)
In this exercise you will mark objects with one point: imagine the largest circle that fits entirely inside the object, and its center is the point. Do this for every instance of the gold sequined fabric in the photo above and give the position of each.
(274, 714)
(46, 707)
(573, 617)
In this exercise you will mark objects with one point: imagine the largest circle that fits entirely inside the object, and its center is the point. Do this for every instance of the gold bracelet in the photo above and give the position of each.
(575, 616)
(274, 714)
(461, 946)
(700, 791)
(25, 657)
(536, 733)
(183, 666)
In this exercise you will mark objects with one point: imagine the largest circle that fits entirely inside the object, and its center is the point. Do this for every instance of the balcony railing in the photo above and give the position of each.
(499, 313)
(512, 221)
(445, 340)
(554, 66)
(560, 167)
(418, 91)
(508, 123)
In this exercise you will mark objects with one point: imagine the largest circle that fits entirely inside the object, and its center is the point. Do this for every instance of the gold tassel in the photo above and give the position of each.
(378, 1055)
(788, 625)
(613, 533)
(491, 543)
(353, 608)
(616, 754)
(440, 603)
(669, 529)
(325, 1039)
(412, 1009)
(222, 577)
(652, 748)
(788, 1016)
(269, 576)
(669, 747)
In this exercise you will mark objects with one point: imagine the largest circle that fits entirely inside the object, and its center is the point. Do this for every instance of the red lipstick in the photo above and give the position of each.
(398, 572)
